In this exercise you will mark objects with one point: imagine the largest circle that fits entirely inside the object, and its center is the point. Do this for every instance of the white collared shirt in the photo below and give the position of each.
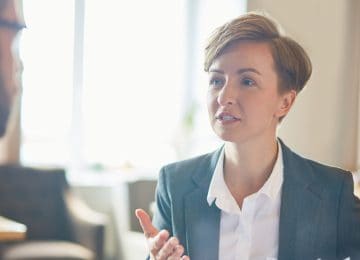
(252, 232)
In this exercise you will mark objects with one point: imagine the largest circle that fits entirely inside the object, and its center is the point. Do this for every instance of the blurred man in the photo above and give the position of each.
(11, 25)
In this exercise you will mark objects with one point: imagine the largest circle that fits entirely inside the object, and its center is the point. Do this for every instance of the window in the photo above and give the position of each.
(111, 83)
(47, 53)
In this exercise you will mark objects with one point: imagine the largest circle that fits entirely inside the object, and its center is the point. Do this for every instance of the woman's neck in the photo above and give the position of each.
(247, 166)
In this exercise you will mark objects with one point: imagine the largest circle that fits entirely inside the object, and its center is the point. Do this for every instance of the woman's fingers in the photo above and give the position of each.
(177, 253)
(145, 223)
(168, 249)
(157, 243)
(160, 245)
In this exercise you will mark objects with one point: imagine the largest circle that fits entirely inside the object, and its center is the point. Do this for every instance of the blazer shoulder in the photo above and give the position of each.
(187, 163)
(327, 171)
(325, 175)
(310, 171)
(320, 169)
(186, 167)
(198, 169)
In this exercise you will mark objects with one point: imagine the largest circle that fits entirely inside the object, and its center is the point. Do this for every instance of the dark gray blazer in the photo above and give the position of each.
(319, 215)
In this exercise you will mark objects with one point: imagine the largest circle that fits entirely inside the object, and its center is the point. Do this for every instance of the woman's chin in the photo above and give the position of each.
(226, 136)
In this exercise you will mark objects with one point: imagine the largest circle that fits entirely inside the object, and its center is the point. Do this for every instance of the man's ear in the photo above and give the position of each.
(286, 102)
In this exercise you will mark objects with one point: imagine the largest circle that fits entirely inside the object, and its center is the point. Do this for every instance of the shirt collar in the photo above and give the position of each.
(271, 188)
(217, 184)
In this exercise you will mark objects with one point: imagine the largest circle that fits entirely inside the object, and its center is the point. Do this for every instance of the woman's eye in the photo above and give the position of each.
(248, 82)
(216, 82)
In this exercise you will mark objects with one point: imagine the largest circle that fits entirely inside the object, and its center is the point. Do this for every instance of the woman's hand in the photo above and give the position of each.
(161, 246)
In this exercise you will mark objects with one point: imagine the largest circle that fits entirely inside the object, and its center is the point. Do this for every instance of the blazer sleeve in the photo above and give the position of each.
(349, 221)
(162, 216)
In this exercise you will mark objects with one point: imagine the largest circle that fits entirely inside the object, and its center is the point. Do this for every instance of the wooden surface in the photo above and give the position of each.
(11, 230)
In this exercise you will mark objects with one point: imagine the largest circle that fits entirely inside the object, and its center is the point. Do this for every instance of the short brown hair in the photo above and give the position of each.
(292, 63)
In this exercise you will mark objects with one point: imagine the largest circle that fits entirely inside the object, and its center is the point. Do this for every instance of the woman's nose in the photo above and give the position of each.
(226, 95)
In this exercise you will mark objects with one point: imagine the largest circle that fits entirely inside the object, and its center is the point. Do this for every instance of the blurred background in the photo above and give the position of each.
(114, 89)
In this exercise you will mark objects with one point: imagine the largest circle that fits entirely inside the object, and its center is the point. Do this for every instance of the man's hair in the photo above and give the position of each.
(292, 64)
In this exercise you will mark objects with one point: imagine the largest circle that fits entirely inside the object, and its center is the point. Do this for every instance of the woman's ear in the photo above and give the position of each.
(286, 101)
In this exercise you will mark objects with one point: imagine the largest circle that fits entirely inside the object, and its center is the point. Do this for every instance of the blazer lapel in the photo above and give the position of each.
(300, 201)
(202, 227)
(201, 220)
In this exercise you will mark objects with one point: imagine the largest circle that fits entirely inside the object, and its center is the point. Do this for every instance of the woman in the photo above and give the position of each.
(253, 198)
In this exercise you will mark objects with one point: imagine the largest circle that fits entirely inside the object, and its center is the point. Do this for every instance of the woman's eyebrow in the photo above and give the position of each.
(217, 71)
(240, 71)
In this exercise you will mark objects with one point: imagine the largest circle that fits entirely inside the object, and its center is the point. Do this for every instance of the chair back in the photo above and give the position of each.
(35, 197)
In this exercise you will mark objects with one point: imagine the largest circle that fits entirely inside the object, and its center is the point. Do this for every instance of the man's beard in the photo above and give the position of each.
(4, 108)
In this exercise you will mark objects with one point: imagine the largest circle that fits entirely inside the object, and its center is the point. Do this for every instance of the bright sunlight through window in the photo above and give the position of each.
(116, 83)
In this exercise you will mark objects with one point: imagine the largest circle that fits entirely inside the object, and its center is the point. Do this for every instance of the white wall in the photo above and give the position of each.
(323, 124)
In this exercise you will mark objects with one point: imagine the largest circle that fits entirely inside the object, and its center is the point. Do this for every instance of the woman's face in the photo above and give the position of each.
(244, 103)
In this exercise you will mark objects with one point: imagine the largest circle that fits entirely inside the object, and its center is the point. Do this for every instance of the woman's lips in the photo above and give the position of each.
(226, 118)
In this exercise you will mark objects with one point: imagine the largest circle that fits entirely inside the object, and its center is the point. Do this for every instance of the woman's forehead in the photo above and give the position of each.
(245, 53)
